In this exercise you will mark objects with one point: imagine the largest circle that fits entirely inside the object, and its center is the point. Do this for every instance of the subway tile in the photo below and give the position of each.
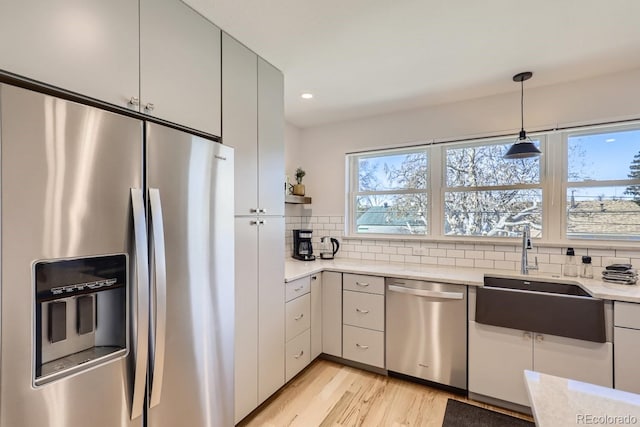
(559, 259)
(483, 247)
(505, 265)
(550, 268)
(397, 243)
(438, 252)
(360, 248)
(446, 261)
(464, 262)
(368, 256)
(396, 258)
(483, 263)
(382, 243)
(626, 253)
(355, 255)
(347, 247)
(382, 257)
(335, 219)
(446, 245)
(465, 246)
(496, 256)
(504, 248)
(428, 260)
(405, 251)
(389, 250)
(412, 259)
(374, 249)
(429, 245)
(603, 252)
(323, 220)
(548, 250)
(511, 256)
(472, 254)
(454, 253)
(313, 219)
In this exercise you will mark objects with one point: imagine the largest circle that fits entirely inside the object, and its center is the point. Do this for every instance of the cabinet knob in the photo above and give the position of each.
(299, 317)
(362, 311)
(149, 107)
(133, 101)
(299, 355)
(364, 347)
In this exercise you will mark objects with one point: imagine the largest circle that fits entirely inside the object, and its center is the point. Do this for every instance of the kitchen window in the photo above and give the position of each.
(586, 185)
(389, 192)
(487, 195)
(603, 184)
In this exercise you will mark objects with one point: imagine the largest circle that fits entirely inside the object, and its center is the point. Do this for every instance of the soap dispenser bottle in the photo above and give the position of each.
(587, 268)
(570, 268)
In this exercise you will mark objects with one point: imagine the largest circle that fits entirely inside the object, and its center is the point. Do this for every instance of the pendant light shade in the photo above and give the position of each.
(523, 147)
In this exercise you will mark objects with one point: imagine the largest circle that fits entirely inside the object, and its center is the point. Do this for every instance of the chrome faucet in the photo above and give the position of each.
(526, 245)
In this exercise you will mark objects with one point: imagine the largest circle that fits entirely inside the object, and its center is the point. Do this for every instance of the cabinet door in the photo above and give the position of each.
(239, 121)
(179, 65)
(271, 332)
(587, 361)
(270, 139)
(332, 313)
(246, 336)
(627, 355)
(89, 46)
(497, 360)
(316, 315)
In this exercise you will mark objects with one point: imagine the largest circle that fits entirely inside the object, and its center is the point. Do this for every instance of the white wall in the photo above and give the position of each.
(321, 150)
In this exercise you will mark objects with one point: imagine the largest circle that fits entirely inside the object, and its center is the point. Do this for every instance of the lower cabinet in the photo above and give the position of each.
(363, 345)
(626, 339)
(498, 356)
(332, 313)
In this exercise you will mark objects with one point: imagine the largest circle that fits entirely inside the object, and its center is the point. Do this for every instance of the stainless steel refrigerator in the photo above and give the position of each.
(117, 282)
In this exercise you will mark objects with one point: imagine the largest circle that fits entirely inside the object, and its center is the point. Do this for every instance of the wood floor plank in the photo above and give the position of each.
(328, 394)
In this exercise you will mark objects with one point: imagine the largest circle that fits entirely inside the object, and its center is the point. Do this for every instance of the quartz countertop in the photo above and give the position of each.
(458, 275)
(557, 401)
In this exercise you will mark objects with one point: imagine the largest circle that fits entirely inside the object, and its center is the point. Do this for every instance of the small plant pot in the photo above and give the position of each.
(298, 189)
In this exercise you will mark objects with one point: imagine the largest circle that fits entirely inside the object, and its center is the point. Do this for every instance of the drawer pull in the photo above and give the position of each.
(423, 365)
(364, 347)
(362, 284)
(299, 317)
(298, 289)
(299, 355)
(362, 311)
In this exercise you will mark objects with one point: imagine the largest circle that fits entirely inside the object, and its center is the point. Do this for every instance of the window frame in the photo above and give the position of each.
(554, 183)
(353, 190)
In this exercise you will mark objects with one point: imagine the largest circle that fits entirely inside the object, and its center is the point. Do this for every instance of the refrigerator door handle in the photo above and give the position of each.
(160, 291)
(141, 317)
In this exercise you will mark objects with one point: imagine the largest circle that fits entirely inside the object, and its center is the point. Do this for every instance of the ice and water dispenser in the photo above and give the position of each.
(80, 314)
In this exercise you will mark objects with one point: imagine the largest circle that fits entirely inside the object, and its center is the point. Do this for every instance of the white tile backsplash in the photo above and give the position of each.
(479, 255)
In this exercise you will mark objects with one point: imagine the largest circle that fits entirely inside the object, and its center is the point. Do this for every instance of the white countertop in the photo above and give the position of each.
(458, 275)
(557, 401)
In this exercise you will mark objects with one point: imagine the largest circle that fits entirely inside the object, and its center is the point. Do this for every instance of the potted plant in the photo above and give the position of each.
(298, 189)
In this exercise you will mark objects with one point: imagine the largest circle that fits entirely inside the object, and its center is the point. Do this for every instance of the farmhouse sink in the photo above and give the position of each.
(552, 308)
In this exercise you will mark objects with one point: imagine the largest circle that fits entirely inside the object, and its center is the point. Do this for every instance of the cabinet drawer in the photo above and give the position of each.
(363, 310)
(362, 283)
(298, 352)
(296, 288)
(626, 314)
(363, 345)
(297, 316)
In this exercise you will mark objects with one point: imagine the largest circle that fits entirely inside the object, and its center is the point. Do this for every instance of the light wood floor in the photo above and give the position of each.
(330, 394)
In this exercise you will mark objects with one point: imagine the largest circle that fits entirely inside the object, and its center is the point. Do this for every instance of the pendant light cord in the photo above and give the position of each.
(522, 105)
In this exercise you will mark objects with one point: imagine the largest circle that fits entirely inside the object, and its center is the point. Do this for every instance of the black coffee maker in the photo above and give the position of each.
(302, 248)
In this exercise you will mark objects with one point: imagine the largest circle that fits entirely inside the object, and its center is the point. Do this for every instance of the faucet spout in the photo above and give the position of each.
(526, 245)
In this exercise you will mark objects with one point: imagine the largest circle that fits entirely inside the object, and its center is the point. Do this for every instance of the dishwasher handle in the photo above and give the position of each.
(424, 293)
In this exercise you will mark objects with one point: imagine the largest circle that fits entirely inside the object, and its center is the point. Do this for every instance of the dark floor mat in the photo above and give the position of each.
(460, 414)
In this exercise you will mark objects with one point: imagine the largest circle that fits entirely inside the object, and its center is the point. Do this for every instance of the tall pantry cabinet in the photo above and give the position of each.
(253, 123)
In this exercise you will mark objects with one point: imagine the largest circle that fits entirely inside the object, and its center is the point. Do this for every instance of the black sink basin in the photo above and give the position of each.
(536, 286)
(560, 309)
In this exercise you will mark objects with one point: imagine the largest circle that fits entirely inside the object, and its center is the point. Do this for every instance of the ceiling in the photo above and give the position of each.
(367, 57)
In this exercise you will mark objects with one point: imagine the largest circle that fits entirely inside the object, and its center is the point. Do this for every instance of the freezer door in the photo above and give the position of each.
(67, 175)
(193, 178)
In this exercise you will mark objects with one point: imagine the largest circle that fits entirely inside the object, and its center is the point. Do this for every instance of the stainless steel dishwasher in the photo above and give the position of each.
(426, 331)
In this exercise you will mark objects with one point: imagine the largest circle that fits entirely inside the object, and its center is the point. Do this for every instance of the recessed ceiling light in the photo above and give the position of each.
(610, 140)
(306, 96)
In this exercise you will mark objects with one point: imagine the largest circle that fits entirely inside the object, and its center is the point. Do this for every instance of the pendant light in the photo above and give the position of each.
(523, 147)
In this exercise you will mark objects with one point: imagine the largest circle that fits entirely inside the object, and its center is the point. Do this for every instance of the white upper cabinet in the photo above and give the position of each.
(240, 103)
(179, 65)
(270, 139)
(84, 46)
(253, 123)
